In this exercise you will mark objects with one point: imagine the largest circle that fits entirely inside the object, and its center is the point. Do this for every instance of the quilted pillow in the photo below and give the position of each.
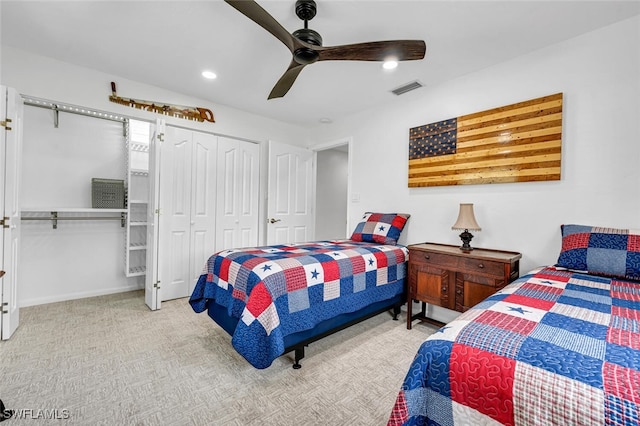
(602, 251)
(382, 228)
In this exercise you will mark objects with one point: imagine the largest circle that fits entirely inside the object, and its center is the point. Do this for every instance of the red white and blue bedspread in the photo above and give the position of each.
(553, 348)
(283, 289)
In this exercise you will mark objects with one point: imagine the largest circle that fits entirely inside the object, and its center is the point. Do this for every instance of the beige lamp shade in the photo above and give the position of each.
(466, 218)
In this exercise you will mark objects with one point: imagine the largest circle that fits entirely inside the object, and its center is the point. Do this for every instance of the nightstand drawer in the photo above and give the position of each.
(480, 266)
(434, 259)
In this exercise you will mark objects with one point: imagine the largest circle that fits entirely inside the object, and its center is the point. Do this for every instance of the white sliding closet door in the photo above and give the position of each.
(238, 194)
(187, 209)
(152, 283)
(11, 106)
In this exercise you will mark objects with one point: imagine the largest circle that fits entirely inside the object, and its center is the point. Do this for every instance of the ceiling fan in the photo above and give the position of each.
(306, 47)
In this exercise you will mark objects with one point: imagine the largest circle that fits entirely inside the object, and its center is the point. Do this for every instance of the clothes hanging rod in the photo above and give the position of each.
(71, 109)
(73, 218)
(54, 218)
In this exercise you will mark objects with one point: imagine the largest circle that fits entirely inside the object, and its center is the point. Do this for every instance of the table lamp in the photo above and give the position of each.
(466, 221)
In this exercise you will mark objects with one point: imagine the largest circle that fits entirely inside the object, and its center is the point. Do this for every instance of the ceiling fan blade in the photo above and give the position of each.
(400, 50)
(286, 81)
(257, 14)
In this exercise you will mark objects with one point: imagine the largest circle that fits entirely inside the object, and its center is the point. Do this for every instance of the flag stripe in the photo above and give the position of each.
(528, 154)
(515, 107)
(511, 127)
(514, 143)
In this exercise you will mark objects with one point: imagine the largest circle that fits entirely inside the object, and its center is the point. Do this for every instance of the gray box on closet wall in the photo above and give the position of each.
(107, 193)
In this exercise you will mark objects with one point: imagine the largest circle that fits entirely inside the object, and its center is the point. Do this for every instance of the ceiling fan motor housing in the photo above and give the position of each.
(306, 10)
(306, 55)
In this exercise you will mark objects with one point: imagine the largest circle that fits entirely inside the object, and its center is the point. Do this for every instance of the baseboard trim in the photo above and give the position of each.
(78, 295)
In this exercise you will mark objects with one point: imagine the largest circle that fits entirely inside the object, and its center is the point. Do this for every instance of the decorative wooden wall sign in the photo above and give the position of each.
(180, 111)
(514, 143)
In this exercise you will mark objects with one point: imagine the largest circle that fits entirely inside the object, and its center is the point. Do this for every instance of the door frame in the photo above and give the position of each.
(11, 112)
(348, 141)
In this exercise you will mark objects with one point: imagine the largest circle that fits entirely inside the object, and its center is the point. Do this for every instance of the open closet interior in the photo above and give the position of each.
(112, 204)
(69, 248)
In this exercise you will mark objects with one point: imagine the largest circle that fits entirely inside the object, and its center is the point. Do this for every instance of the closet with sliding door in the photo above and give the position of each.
(206, 200)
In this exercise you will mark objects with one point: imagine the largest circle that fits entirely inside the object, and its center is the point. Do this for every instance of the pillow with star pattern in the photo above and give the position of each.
(601, 251)
(381, 228)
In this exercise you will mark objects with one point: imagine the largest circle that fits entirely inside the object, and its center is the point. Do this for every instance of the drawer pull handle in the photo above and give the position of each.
(426, 256)
(444, 289)
(481, 265)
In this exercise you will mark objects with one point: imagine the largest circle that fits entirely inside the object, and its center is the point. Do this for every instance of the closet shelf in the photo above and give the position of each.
(136, 271)
(140, 147)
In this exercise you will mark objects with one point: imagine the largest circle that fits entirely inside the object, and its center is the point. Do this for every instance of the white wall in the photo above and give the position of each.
(599, 74)
(83, 259)
(331, 194)
(55, 80)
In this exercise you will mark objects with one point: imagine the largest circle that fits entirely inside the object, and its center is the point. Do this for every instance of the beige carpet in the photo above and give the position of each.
(109, 360)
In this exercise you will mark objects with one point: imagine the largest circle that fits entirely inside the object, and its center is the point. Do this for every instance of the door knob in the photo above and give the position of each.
(272, 220)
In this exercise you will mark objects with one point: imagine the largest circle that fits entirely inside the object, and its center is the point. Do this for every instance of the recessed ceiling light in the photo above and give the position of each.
(325, 120)
(390, 64)
(209, 74)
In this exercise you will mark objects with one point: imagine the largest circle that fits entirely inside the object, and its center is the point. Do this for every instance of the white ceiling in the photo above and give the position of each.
(168, 43)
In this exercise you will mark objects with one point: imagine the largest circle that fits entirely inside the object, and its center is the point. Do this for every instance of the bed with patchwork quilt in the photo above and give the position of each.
(277, 299)
(559, 346)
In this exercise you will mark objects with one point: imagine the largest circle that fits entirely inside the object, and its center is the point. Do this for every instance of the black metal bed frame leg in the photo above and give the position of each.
(396, 312)
(299, 354)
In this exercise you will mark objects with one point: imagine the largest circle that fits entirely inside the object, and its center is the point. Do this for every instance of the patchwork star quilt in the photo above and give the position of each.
(283, 289)
(553, 348)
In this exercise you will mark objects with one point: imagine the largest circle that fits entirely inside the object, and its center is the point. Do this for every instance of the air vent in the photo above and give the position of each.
(407, 88)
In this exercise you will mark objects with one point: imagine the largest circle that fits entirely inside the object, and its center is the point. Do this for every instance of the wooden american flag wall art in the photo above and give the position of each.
(514, 143)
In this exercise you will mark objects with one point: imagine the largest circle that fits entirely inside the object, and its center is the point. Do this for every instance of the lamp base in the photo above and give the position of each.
(466, 238)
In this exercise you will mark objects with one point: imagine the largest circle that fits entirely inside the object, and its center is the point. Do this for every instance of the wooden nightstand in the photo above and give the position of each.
(444, 275)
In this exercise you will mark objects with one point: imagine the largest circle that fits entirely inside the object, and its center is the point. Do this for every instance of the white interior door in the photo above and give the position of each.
(11, 108)
(187, 209)
(291, 194)
(237, 194)
(175, 212)
(152, 286)
(202, 236)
